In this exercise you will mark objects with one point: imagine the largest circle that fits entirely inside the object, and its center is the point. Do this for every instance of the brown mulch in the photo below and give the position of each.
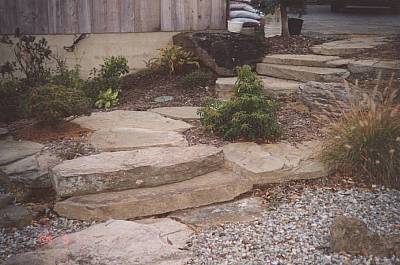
(44, 134)
(293, 45)
(388, 51)
(139, 92)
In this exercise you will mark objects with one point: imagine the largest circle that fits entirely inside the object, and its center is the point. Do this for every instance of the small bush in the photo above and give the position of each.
(52, 103)
(114, 67)
(107, 99)
(10, 100)
(63, 76)
(196, 79)
(246, 116)
(366, 141)
(173, 59)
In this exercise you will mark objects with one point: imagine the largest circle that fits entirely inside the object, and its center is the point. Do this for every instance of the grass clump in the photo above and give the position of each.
(248, 115)
(365, 142)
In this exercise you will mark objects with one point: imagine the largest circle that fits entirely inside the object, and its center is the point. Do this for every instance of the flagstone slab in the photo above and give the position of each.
(273, 87)
(125, 139)
(115, 242)
(11, 150)
(114, 171)
(243, 210)
(131, 119)
(312, 60)
(302, 73)
(214, 187)
(274, 163)
(180, 113)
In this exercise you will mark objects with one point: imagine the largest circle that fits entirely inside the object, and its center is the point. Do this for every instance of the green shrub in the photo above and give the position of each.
(246, 116)
(173, 59)
(196, 79)
(63, 76)
(10, 100)
(107, 99)
(108, 76)
(366, 141)
(51, 103)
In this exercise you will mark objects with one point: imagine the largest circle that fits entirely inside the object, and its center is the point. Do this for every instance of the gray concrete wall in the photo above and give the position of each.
(90, 52)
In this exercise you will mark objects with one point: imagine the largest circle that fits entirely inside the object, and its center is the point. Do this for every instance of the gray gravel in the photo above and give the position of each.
(297, 232)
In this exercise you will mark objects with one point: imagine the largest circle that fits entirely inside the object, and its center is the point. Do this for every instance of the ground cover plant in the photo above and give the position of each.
(248, 115)
(366, 141)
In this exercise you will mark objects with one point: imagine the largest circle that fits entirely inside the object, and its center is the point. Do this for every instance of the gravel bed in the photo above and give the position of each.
(297, 232)
(14, 241)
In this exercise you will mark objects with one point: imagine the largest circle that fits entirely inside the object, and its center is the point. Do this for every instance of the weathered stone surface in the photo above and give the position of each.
(3, 132)
(30, 175)
(244, 210)
(116, 243)
(11, 150)
(348, 46)
(273, 87)
(352, 235)
(218, 186)
(180, 113)
(312, 60)
(6, 200)
(131, 119)
(114, 171)
(326, 99)
(222, 51)
(303, 73)
(15, 216)
(274, 163)
(375, 67)
(125, 139)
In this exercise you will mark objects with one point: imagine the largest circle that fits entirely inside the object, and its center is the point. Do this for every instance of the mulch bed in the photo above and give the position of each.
(389, 51)
(293, 45)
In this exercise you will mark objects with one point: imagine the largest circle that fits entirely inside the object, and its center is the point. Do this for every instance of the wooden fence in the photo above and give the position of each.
(106, 16)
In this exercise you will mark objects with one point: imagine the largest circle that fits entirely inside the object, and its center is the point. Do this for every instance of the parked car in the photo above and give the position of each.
(337, 5)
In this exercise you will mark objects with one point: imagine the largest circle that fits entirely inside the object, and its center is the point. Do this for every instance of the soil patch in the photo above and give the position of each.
(292, 45)
(45, 134)
(389, 51)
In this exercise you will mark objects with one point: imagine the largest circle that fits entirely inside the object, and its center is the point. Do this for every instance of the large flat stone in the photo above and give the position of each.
(303, 73)
(114, 171)
(348, 46)
(273, 87)
(115, 243)
(6, 200)
(180, 113)
(11, 151)
(125, 139)
(15, 216)
(312, 60)
(218, 186)
(131, 119)
(244, 210)
(375, 67)
(274, 163)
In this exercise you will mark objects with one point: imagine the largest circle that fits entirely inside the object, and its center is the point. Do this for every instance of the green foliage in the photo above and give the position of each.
(107, 99)
(196, 79)
(108, 76)
(51, 103)
(63, 76)
(173, 59)
(366, 141)
(248, 115)
(10, 100)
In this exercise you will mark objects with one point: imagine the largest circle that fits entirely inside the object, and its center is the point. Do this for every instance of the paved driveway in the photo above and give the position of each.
(351, 21)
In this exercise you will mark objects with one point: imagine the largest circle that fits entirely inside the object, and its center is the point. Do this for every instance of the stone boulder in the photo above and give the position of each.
(325, 99)
(158, 241)
(11, 150)
(222, 51)
(6, 200)
(15, 216)
(352, 235)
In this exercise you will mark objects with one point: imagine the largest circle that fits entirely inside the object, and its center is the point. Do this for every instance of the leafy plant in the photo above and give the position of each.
(248, 115)
(114, 67)
(107, 99)
(10, 100)
(66, 77)
(366, 141)
(52, 103)
(195, 79)
(173, 59)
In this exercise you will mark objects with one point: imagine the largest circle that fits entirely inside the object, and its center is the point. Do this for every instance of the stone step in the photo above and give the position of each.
(218, 186)
(311, 60)
(273, 87)
(116, 171)
(348, 46)
(302, 73)
(274, 163)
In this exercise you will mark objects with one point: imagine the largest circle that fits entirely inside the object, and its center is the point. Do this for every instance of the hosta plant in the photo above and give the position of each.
(107, 99)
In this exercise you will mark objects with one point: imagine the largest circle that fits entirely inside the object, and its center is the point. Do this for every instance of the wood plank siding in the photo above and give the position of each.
(110, 16)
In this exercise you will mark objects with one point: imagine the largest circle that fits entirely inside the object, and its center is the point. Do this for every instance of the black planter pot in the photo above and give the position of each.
(295, 25)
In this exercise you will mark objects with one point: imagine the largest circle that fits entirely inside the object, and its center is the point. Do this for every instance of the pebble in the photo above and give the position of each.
(297, 232)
